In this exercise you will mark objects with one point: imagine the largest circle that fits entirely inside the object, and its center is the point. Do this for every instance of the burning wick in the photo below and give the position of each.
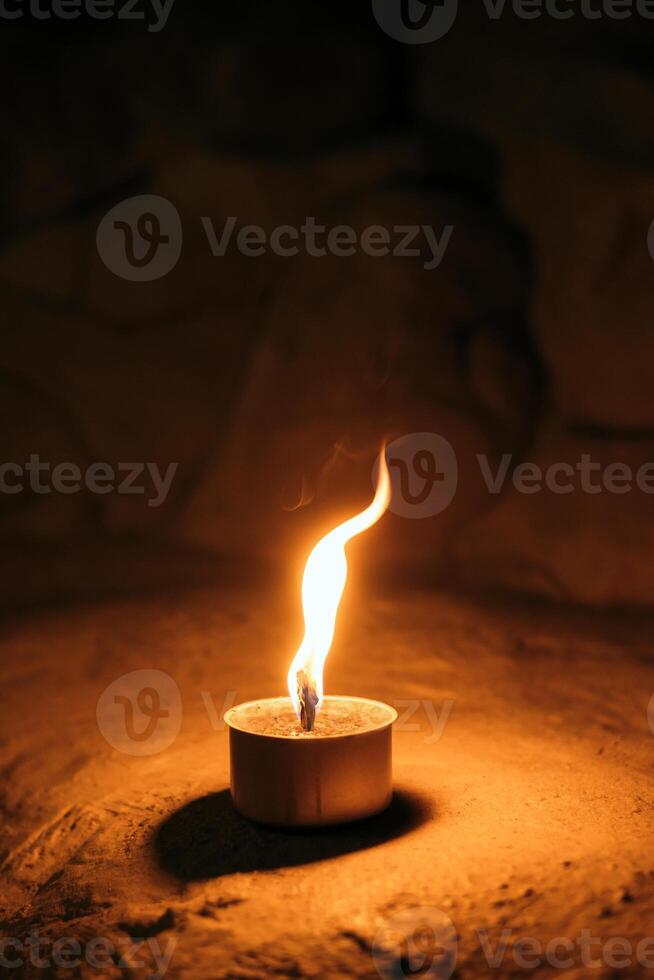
(325, 770)
(325, 574)
(308, 699)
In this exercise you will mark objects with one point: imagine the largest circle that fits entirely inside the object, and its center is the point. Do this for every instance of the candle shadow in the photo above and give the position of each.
(207, 838)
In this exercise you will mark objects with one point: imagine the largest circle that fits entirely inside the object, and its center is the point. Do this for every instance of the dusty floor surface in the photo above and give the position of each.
(528, 808)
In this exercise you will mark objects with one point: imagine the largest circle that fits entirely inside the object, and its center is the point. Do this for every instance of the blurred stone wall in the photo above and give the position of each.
(272, 381)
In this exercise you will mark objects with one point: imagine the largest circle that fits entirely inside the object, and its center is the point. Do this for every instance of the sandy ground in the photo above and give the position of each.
(524, 806)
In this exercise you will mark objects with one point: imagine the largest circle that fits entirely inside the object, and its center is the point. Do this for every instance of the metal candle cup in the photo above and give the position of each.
(287, 777)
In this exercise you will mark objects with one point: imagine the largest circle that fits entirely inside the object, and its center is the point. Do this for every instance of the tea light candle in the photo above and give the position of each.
(285, 776)
(308, 760)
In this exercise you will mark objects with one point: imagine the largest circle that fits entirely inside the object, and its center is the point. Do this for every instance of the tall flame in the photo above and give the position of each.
(323, 582)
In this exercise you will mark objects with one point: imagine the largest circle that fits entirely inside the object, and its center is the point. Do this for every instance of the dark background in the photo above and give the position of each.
(272, 381)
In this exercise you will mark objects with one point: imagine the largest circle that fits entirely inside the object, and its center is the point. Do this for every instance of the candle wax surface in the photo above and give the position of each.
(276, 717)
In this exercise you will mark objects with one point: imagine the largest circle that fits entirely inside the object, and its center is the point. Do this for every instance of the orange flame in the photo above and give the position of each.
(323, 582)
